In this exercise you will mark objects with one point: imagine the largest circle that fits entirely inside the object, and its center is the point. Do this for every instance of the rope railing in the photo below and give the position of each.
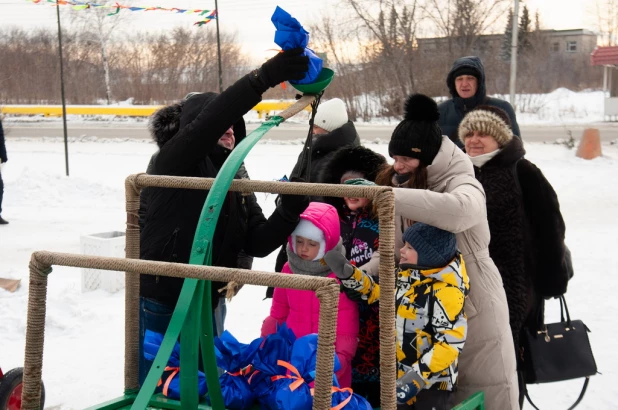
(326, 290)
(382, 197)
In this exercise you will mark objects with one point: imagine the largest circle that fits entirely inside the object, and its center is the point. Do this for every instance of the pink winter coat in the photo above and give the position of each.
(300, 309)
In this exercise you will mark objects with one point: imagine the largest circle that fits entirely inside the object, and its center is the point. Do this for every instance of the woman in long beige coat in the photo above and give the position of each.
(452, 199)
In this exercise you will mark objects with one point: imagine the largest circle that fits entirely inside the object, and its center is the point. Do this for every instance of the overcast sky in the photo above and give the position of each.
(251, 18)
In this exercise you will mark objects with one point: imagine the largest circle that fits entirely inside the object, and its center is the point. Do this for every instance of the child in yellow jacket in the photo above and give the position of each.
(432, 285)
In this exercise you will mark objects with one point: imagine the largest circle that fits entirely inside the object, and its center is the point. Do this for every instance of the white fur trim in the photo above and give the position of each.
(308, 230)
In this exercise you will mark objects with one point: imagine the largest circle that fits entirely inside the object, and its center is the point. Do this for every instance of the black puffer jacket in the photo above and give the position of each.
(3, 156)
(527, 232)
(322, 149)
(172, 214)
(452, 111)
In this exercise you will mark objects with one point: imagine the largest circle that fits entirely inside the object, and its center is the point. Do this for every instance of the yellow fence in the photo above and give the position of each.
(265, 107)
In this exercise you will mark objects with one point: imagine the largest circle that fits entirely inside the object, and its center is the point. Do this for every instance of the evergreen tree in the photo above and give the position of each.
(505, 49)
(523, 35)
(537, 21)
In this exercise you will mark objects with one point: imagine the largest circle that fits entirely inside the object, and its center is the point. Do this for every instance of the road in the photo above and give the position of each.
(531, 133)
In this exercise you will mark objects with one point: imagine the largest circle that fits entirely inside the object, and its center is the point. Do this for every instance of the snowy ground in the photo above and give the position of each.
(83, 360)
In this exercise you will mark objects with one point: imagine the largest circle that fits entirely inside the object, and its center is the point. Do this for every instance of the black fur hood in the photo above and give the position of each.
(358, 159)
(167, 121)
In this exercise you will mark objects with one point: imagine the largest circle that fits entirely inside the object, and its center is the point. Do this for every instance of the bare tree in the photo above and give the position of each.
(99, 25)
(606, 13)
(463, 21)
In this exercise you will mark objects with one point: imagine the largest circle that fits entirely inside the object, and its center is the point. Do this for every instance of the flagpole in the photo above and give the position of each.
(219, 50)
(64, 107)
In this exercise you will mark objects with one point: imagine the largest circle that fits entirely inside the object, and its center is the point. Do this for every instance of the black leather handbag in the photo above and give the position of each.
(557, 352)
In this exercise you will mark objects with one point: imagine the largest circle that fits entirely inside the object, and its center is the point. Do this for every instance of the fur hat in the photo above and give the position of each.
(418, 135)
(350, 162)
(436, 248)
(331, 115)
(488, 120)
(165, 123)
(307, 229)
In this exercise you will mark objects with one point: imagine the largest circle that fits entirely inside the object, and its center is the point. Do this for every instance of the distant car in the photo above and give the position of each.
(11, 387)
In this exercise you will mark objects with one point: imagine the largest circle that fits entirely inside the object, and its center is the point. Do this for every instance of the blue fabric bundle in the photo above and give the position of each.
(291, 34)
(152, 343)
(275, 347)
(233, 356)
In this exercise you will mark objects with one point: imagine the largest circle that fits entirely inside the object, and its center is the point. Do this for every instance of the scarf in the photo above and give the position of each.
(482, 159)
(300, 266)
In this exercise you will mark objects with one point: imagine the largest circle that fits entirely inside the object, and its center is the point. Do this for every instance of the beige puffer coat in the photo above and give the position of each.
(455, 202)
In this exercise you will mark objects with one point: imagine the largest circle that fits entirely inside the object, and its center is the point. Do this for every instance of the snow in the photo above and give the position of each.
(84, 340)
(560, 107)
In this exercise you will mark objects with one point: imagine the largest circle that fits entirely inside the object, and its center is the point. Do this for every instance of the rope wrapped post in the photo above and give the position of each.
(385, 203)
(327, 290)
(35, 334)
(131, 295)
(325, 360)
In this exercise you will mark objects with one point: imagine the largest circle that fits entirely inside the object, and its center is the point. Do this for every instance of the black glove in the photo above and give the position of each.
(294, 205)
(288, 65)
(3, 160)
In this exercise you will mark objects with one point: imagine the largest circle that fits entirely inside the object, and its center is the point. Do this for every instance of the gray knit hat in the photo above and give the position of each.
(488, 120)
(436, 248)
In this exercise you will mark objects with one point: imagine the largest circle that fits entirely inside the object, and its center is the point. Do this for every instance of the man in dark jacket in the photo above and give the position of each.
(331, 130)
(200, 133)
(3, 159)
(466, 83)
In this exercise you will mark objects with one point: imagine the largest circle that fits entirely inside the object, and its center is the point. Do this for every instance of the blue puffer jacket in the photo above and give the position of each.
(452, 111)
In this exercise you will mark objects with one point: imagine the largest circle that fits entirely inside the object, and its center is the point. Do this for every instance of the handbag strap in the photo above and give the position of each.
(564, 308)
(579, 399)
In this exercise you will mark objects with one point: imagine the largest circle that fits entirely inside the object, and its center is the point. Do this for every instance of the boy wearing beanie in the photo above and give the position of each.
(432, 284)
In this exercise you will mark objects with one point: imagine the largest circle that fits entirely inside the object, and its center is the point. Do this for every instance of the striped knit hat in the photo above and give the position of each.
(488, 120)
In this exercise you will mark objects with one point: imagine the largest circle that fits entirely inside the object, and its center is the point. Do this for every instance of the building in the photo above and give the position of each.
(565, 43)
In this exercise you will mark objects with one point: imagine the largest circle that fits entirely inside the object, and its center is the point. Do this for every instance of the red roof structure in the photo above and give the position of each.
(605, 56)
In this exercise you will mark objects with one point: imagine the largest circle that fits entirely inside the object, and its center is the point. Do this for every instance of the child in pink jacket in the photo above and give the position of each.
(317, 233)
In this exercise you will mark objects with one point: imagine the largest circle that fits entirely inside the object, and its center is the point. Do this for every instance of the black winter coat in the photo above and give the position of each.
(452, 111)
(3, 157)
(527, 232)
(172, 214)
(244, 261)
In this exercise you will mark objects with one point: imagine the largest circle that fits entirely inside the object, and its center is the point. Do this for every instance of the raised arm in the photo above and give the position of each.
(454, 211)
(352, 278)
(198, 136)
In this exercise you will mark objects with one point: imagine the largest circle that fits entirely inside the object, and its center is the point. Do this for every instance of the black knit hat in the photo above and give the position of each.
(435, 247)
(466, 70)
(418, 135)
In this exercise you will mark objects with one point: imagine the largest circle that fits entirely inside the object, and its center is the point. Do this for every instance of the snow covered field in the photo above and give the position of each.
(83, 360)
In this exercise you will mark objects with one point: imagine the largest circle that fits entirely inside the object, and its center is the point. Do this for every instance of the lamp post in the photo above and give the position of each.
(219, 50)
(514, 36)
(64, 107)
